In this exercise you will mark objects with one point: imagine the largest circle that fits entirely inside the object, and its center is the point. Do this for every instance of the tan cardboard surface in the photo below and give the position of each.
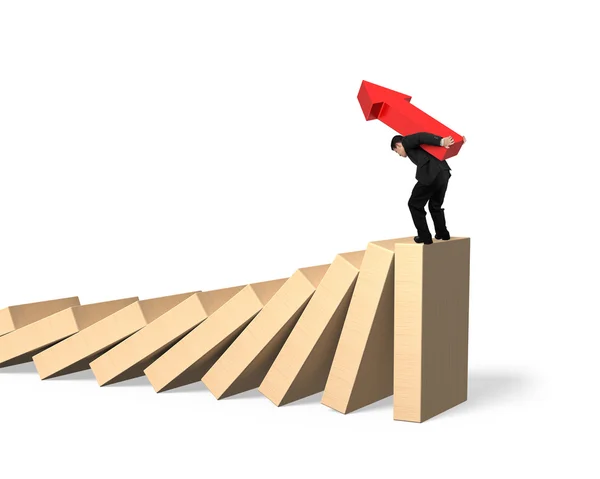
(302, 366)
(21, 345)
(15, 317)
(361, 372)
(77, 351)
(188, 360)
(430, 328)
(129, 358)
(244, 364)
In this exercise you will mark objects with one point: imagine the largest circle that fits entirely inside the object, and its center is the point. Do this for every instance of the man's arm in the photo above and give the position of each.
(416, 139)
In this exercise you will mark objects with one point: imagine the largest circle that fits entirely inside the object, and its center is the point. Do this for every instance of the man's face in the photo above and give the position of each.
(400, 150)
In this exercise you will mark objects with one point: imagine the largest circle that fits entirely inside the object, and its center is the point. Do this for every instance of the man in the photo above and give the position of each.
(432, 181)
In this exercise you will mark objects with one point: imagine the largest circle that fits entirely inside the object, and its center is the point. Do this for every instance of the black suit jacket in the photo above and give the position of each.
(428, 166)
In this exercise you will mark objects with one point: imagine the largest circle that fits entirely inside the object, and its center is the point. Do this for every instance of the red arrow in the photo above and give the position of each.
(395, 110)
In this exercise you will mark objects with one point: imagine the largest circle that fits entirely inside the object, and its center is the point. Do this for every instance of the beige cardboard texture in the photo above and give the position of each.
(431, 321)
(15, 317)
(302, 366)
(245, 363)
(77, 351)
(21, 345)
(361, 372)
(188, 360)
(129, 358)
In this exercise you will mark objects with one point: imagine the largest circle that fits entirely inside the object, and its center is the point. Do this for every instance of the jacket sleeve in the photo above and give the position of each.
(422, 138)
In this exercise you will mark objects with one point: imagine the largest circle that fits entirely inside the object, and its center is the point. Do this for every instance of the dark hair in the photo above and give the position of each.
(397, 139)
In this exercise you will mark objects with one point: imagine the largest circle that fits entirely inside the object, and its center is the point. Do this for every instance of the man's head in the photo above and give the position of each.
(397, 145)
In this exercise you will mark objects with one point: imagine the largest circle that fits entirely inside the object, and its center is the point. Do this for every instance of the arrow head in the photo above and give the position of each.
(372, 99)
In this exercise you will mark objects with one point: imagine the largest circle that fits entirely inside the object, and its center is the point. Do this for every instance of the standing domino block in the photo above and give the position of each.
(431, 323)
(21, 345)
(15, 317)
(244, 365)
(302, 366)
(190, 358)
(361, 372)
(129, 358)
(76, 352)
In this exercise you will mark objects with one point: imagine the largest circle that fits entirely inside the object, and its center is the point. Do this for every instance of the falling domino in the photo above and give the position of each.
(362, 369)
(302, 366)
(190, 358)
(245, 363)
(15, 317)
(77, 351)
(21, 345)
(129, 358)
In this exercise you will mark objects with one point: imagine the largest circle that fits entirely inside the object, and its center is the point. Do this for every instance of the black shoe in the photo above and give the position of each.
(445, 237)
(419, 240)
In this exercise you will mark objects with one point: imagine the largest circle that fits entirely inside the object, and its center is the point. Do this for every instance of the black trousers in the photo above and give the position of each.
(434, 193)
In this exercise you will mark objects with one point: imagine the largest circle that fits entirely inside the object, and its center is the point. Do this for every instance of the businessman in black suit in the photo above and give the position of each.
(432, 181)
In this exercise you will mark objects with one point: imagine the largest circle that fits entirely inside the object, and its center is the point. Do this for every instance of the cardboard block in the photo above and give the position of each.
(361, 372)
(431, 322)
(302, 366)
(188, 360)
(77, 351)
(245, 363)
(21, 345)
(129, 358)
(15, 317)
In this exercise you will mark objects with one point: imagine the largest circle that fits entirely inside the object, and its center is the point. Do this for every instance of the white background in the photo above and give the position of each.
(152, 148)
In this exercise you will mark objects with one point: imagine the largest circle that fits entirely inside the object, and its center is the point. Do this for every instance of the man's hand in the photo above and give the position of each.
(447, 141)
(464, 139)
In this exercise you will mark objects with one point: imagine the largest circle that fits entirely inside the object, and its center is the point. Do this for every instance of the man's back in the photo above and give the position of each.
(428, 166)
